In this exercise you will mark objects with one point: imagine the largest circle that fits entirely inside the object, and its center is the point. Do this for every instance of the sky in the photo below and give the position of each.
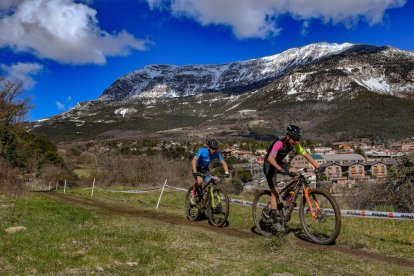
(67, 51)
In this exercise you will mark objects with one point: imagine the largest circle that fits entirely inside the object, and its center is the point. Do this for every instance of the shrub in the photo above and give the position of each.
(141, 170)
(397, 192)
(10, 184)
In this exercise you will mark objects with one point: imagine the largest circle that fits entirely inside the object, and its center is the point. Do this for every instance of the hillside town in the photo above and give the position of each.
(343, 164)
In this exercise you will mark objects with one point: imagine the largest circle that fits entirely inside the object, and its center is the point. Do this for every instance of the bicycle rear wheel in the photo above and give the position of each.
(192, 212)
(325, 227)
(218, 207)
(261, 204)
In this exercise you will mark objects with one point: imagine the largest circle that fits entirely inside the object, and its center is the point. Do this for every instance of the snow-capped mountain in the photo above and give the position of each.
(320, 86)
(168, 81)
(177, 81)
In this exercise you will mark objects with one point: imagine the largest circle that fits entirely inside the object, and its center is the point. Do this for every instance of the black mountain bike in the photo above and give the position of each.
(210, 201)
(319, 213)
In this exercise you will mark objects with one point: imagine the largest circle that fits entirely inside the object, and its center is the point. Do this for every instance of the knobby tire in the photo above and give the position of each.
(192, 212)
(263, 225)
(326, 227)
(218, 215)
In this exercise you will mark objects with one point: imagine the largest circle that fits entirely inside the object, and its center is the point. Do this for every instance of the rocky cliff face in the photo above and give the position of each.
(383, 70)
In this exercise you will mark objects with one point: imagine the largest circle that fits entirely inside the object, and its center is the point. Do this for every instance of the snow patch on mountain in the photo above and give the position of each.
(375, 84)
(125, 111)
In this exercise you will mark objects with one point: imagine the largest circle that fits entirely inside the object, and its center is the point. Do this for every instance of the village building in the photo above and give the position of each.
(376, 168)
(321, 150)
(332, 170)
(261, 152)
(356, 170)
(377, 155)
(343, 158)
(299, 161)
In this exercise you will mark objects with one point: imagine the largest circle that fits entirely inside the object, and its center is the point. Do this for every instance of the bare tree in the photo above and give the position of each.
(13, 106)
(9, 183)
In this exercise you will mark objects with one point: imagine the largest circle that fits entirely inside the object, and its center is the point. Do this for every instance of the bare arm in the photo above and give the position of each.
(272, 160)
(194, 164)
(311, 160)
(225, 166)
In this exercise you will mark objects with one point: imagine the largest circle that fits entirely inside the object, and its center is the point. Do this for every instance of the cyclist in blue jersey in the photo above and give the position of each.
(274, 164)
(202, 160)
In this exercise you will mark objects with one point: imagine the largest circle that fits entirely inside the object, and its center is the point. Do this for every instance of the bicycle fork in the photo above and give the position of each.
(318, 208)
(213, 202)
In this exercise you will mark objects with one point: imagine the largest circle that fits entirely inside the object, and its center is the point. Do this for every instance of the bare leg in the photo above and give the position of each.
(198, 183)
(274, 198)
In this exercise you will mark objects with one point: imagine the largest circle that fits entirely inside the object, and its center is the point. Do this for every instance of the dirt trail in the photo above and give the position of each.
(112, 208)
(359, 253)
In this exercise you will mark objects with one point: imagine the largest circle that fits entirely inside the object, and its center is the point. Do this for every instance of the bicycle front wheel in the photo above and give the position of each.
(261, 205)
(325, 225)
(191, 211)
(218, 207)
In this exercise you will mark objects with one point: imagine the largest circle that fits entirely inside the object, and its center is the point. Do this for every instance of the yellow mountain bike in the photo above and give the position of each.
(210, 201)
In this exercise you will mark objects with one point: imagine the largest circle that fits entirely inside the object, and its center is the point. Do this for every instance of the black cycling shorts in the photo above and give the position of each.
(203, 170)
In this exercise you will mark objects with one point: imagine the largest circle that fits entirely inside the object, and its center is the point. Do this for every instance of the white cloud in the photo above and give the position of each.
(258, 18)
(305, 28)
(63, 105)
(62, 30)
(22, 72)
(60, 105)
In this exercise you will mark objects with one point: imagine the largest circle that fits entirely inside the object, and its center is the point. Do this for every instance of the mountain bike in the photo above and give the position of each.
(319, 213)
(210, 201)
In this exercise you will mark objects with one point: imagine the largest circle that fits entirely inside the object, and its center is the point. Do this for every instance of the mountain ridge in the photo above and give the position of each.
(161, 97)
(161, 80)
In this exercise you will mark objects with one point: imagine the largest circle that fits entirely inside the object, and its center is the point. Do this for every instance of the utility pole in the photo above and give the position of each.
(251, 160)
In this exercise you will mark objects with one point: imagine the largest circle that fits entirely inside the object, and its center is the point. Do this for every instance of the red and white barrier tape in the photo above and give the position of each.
(344, 213)
(127, 191)
(175, 188)
(375, 214)
(349, 213)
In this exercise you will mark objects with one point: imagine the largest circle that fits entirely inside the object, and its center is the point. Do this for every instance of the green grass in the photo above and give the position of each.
(69, 238)
(82, 172)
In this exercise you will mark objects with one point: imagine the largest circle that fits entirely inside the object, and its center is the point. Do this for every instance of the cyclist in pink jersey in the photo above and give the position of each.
(274, 164)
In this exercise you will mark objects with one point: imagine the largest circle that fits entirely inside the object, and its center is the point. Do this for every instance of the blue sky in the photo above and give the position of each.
(67, 51)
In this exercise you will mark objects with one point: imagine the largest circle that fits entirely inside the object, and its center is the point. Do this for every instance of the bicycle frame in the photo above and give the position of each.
(211, 201)
(209, 185)
(299, 183)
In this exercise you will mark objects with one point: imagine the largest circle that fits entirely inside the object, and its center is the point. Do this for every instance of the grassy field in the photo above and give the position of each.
(122, 234)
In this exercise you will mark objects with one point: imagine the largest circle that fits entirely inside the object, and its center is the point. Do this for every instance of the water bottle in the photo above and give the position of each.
(290, 198)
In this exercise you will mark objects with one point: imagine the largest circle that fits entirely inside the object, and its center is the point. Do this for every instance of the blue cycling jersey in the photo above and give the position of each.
(204, 157)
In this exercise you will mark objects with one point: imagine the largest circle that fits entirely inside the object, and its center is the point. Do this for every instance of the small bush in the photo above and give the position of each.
(10, 184)
(397, 192)
(113, 169)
